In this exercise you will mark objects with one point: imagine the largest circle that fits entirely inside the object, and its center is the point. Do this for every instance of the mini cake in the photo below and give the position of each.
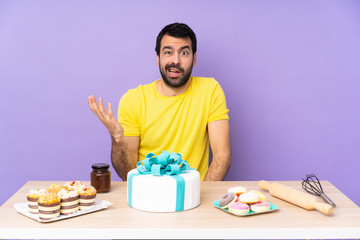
(49, 206)
(87, 196)
(55, 188)
(74, 185)
(32, 198)
(239, 208)
(69, 201)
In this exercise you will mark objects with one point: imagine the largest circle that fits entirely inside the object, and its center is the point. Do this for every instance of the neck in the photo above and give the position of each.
(168, 91)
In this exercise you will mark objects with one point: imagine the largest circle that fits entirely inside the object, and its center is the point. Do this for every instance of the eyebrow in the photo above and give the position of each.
(171, 48)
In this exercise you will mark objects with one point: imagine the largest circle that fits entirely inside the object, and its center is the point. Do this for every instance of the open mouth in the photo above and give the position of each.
(174, 72)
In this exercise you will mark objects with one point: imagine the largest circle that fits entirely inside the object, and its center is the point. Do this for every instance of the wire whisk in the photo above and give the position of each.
(313, 186)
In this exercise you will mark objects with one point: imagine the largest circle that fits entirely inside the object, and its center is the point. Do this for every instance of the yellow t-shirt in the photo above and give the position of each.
(174, 124)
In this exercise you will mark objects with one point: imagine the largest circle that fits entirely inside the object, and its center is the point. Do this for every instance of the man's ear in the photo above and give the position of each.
(157, 60)
(194, 61)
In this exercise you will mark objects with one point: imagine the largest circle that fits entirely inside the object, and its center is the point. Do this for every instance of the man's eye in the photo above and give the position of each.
(184, 53)
(167, 52)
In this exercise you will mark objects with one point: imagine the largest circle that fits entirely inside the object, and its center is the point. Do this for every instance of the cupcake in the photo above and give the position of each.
(69, 201)
(74, 185)
(87, 197)
(32, 198)
(55, 188)
(49, 206)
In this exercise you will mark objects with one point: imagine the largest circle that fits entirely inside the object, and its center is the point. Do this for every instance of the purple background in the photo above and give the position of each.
(290, 71)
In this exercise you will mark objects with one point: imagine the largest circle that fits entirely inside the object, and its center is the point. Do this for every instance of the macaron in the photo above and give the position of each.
(239, 208)
(227, 199)
(259, 207)
(261, 195)
(249, 197)
(238, 190)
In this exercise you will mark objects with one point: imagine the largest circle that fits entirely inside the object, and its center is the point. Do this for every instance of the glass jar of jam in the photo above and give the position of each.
(101, 177)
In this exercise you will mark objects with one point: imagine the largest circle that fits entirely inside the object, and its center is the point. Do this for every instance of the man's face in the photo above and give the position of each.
(175, 60)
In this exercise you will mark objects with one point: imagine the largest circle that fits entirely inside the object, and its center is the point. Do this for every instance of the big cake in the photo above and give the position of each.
(163, 183)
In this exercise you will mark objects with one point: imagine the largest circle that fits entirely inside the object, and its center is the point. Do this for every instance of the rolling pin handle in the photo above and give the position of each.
(323, 207)
(264, 185)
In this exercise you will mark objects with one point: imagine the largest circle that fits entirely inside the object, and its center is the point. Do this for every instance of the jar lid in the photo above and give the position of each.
(100, 166)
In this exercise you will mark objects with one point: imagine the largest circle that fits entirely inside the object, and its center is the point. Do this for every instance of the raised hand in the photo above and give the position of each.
(106, 117)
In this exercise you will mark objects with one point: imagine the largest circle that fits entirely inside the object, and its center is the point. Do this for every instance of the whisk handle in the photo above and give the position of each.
(327, 199)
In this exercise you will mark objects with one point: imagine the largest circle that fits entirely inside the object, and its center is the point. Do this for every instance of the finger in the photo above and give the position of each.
(90, 102)
(92, 99)
(101, 106)
(94, 107)
(111, 115)
(110, 109)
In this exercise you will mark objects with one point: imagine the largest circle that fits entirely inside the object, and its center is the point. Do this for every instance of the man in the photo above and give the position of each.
(177, 113)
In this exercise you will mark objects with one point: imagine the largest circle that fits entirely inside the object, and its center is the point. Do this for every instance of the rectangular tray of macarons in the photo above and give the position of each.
(99, 205)
(272, 208)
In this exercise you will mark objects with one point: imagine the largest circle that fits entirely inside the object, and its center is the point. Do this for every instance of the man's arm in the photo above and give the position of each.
(124, 151)
(124, 155)
(219, 136)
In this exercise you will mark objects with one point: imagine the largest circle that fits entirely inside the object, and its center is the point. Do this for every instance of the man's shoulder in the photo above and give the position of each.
(140, 89)
(205, 82)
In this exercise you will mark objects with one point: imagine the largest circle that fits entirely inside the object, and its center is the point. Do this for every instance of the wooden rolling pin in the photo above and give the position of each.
(295, 197)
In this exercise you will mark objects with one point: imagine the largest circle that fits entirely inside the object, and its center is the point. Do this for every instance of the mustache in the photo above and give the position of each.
(174, 66)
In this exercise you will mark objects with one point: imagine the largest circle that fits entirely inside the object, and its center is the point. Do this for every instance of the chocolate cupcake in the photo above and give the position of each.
(87, 197)
(49, 206)
(32, 198)
(69, 201)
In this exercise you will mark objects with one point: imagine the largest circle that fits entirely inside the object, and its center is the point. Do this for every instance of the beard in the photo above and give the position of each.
(178, 81)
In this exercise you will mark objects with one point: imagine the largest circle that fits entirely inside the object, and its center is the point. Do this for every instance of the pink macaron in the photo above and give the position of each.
(239, 208)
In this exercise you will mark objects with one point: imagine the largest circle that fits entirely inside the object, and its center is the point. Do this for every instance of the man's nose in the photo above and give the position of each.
(176, 58)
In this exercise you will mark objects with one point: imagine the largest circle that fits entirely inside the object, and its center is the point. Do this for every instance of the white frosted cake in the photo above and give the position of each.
(166, 193)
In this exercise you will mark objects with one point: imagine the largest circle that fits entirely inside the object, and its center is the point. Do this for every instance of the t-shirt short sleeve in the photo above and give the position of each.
(218, 108)
(128, 113)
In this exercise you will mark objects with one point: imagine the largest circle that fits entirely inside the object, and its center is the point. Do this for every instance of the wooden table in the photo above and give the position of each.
(119, 221)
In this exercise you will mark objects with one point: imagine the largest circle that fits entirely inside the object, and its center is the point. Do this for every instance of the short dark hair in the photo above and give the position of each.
(179, 30)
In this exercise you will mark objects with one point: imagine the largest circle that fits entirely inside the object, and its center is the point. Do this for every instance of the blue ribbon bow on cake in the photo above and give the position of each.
(164, 164)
